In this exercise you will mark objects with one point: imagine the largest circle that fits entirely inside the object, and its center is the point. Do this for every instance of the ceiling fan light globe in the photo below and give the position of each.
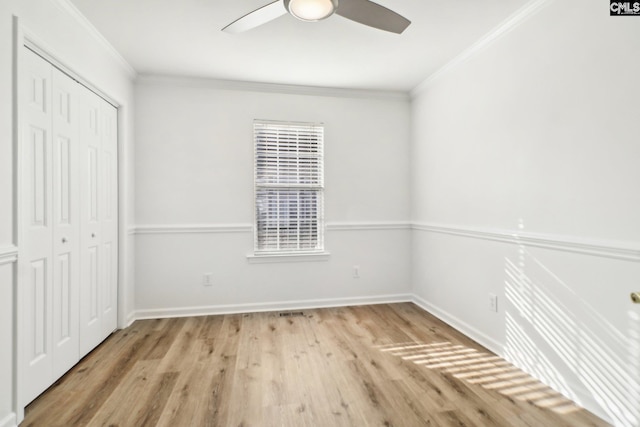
(311, 10)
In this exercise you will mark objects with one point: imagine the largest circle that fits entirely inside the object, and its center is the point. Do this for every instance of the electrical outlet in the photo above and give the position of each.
(493, 303)
(356, 271)
(207, 279)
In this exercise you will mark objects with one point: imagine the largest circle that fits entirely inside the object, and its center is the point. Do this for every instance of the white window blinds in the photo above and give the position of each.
(289, 187)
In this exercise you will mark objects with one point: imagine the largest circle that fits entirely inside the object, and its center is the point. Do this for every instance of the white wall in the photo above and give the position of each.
(522, 162)
(194, 166)
(69, 41)
(525, 165)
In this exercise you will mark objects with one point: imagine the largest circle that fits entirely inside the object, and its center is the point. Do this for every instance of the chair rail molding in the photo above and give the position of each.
(360, 226)
(8, 255)
(248, 228)
(191, 228)
(625, 251)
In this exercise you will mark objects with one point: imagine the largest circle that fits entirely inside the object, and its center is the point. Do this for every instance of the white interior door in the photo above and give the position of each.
(98, 211)
(66, 223)
(36, 260)
(109, 223)
(49, 244)
(90, 270)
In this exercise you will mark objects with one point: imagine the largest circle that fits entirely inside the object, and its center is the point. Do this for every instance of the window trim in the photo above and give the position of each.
(273, 258)
(283, 255)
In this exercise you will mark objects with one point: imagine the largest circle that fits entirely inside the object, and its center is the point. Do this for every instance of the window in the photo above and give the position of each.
(289, 188)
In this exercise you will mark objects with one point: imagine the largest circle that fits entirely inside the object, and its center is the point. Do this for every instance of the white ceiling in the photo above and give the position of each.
(183, 38)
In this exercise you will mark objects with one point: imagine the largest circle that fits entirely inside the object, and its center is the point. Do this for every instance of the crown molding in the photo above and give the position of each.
(8, 255)
(238, 85)
(617, 250)
(503, 28)
(73, 12)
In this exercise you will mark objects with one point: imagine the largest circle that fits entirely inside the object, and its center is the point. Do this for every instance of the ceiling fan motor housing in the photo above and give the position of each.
(311, 10)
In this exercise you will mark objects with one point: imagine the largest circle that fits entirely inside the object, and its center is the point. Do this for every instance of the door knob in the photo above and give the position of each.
(93, 235)
(635, 297)
(64, 240)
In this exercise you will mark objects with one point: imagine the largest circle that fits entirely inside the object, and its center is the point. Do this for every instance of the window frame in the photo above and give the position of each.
(313, 173)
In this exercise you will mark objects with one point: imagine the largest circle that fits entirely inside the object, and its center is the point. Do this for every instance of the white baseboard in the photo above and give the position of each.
(9, 421)
(461, 326)
(130, 319)
(270, 306)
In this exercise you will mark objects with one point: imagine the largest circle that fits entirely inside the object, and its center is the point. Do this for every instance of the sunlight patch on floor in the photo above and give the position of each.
(483, 369)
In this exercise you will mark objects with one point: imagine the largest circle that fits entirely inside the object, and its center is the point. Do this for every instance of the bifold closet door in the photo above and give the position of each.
(109, 223)
(98, 212)
(49, 238)
(68, 198)
(66, 227)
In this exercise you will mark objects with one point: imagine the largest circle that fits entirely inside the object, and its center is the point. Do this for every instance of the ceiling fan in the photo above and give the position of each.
(362, 11)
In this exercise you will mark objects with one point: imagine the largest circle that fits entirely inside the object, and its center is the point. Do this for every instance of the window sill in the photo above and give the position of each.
(288, 257)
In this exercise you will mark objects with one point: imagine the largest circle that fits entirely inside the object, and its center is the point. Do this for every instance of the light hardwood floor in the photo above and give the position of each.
(381, 365)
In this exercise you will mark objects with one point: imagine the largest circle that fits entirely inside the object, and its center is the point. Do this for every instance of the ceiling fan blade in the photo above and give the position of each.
(256, 18)
(372, 14)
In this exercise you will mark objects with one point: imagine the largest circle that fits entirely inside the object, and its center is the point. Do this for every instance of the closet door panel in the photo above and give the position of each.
(90, 216)
(36, 261)
(66, 223)
(109, 223)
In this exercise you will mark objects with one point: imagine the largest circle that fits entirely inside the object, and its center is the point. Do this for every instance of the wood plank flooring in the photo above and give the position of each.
(380, 365)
